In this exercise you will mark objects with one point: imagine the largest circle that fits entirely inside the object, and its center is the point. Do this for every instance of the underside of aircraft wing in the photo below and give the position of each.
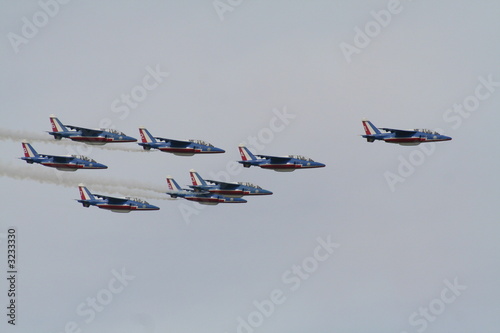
(85, 131)
(399, 132)
(174, 143)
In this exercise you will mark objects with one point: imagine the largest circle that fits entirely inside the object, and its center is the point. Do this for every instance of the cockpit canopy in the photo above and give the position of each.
(85, 158)
(138, 200)
(428, 131)
(249, 184)
(201, 142)
(300, 157)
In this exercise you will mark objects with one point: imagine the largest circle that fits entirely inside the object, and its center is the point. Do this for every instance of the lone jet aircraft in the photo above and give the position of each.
(117, 205)
(63, 163)
(200, 196)
(277, 163)
(232, 190)
(87, 135)
(176, 147)
(403, 137)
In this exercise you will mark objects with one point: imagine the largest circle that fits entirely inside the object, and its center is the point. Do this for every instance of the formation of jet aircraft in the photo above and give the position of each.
(208, 192)
(176, 147)
(201, 196)
(403, 137)
(277, 163)
(86, 135)
(231, 190)
(117, 205)
(63, 163)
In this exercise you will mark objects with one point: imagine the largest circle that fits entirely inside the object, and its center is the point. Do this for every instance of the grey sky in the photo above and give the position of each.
(199, 268)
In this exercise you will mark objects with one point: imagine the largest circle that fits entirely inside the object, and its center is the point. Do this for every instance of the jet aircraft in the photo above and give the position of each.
(117, 205)
(87, 135)
(63, 163)
(277, 163)
(403, 137)
(232, 190)
(200, 196)
(176, 147)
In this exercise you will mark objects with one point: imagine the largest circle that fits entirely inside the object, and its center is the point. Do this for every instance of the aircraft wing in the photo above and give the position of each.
(193, 191)
(277, 159)
(111, 199)
(197, 189)
(59, 159)
(223, 184)
(399, 132)
(203, 194)
(85, 131)
(175, 143)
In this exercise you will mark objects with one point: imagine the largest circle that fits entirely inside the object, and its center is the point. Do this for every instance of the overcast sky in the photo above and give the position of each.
(412, 231)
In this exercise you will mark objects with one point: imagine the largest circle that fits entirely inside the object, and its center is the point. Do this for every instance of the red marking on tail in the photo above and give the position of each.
(143, 137)
(82, 194)
(25, 148)
(242, 153)
(53, 124)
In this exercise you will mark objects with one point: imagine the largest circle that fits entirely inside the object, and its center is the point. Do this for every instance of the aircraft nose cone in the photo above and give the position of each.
(266, 192)
(131, 139)
(447, 138)
(102, 166)
(320, 165)
(219, 150)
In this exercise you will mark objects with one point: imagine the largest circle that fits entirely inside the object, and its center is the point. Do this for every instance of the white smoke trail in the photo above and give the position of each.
(18, 136)
(95, 183)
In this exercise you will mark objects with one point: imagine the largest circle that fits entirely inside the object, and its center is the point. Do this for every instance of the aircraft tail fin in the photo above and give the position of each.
(29, 151)
(370, 129)
(57, 126)
(146, 137)
(246, 154)
(85, 193)
(197, 179)
(172, 184)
